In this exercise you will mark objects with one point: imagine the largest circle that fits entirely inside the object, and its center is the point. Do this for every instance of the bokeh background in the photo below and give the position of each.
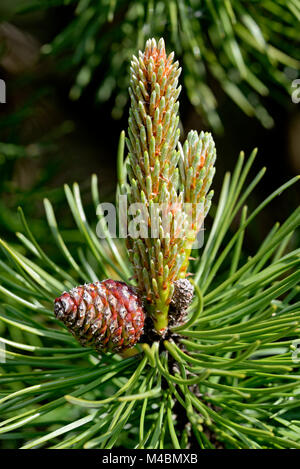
(65, 64)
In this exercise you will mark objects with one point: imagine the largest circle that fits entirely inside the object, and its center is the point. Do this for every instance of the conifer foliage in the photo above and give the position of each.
(226, 374)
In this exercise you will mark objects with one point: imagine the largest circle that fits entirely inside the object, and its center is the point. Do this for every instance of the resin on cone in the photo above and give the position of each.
(107, 315)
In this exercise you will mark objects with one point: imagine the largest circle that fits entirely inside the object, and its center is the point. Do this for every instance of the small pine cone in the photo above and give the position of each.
(183, 294)
(107, 315)
(181, 299)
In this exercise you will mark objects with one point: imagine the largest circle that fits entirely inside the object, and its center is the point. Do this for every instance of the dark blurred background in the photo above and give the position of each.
(56, 126)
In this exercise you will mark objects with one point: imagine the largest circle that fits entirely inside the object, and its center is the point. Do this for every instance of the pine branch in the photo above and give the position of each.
(227, 377)
(159, 259)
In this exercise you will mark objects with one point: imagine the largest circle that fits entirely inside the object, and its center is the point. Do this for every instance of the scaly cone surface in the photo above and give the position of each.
(107, 315)
(160, 248)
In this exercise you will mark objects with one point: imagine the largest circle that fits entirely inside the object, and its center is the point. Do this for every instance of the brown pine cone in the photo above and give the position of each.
(181, 300)
(107, 315)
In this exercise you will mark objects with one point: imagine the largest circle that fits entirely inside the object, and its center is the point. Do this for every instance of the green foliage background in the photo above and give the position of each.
(242, 46)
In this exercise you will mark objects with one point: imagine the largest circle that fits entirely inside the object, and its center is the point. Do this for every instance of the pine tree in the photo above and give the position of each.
(225, 377)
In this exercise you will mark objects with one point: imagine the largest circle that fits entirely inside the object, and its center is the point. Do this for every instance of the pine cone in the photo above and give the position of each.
(183, 294)
(181, 300)
(107, 315)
